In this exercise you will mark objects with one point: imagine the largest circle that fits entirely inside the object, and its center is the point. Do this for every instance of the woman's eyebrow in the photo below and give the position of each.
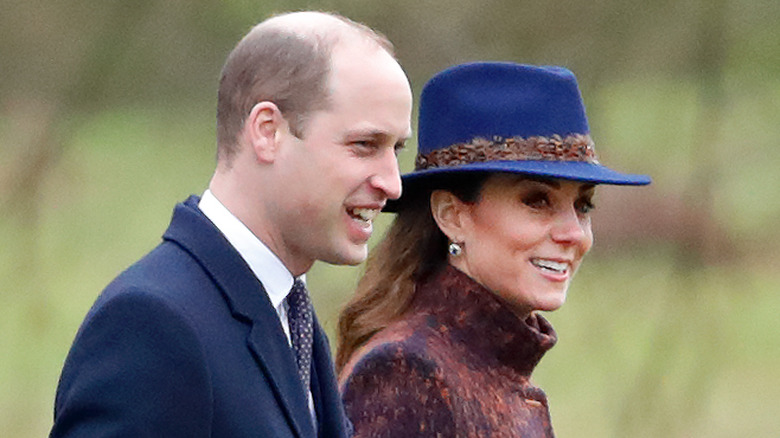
(546, 181)
(554, 183)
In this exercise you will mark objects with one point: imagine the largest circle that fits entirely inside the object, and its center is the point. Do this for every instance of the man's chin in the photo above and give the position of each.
(354, 256)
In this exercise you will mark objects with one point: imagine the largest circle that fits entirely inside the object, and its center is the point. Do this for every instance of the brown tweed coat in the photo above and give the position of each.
(459, 365)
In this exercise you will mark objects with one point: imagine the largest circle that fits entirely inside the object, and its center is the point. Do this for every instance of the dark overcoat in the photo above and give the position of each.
(186, 343)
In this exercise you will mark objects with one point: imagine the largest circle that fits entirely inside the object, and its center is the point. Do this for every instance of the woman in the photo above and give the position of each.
(443, 335)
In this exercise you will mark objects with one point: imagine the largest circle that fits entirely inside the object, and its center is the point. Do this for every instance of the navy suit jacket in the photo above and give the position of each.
(186, 343)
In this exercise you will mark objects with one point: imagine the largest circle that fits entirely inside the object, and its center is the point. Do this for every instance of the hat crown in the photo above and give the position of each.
(499, 99)
(504, 117)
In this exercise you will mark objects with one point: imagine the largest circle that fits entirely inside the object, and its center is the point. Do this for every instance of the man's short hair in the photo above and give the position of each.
(287, 66)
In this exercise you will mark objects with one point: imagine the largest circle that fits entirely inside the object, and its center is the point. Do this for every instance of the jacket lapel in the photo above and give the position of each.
(268, 344)
(248, 302)
(332, 420)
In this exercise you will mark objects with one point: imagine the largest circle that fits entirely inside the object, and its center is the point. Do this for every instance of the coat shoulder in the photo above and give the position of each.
(397, 388)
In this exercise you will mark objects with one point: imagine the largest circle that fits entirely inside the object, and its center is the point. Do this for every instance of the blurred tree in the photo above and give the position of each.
(699, 246)
(63, 62)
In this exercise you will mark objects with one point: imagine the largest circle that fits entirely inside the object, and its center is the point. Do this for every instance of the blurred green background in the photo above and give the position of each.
(671, 329)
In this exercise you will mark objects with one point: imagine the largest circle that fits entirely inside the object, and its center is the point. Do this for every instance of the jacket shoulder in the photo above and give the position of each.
(134, 349)
(397, 389)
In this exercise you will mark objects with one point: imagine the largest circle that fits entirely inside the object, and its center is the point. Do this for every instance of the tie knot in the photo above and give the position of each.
(298, 296)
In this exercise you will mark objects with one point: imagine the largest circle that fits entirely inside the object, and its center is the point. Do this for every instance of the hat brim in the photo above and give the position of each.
(568, 170)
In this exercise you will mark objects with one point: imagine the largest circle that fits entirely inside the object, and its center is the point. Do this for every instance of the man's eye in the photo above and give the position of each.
(362, 147)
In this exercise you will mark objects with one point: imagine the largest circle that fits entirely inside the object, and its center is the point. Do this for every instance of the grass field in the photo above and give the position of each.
(646, 348)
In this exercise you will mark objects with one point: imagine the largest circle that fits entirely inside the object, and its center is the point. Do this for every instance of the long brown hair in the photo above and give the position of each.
(413, 248)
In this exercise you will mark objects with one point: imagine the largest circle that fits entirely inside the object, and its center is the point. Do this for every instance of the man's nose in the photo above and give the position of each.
(388, 176)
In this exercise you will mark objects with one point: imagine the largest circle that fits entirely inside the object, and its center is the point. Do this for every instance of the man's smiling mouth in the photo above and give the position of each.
(365, 215)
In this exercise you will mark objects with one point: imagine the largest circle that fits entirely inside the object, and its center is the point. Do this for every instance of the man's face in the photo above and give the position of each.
(335, 180)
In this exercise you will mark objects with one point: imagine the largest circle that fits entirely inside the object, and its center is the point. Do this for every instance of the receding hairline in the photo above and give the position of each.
(323, 27)
(286, 59)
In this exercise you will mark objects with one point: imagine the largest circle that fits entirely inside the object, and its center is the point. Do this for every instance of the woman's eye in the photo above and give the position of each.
(584, 206)
(537, 200)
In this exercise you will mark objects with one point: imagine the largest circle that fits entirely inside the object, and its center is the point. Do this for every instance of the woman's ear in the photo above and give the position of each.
(449, 212)
(262, 129)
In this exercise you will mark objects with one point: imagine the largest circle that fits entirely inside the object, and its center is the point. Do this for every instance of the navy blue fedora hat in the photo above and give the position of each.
(507, 117)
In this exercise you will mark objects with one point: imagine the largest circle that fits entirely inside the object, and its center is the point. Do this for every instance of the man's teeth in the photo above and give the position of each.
(366, 214)
(550, 264)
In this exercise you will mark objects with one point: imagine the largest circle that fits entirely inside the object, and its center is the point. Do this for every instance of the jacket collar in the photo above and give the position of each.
(473, 315)
(248, 302)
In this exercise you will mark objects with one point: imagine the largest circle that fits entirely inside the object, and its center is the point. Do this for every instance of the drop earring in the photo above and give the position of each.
(455, 249)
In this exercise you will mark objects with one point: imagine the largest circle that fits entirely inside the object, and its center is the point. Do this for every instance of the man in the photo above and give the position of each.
(194, 340)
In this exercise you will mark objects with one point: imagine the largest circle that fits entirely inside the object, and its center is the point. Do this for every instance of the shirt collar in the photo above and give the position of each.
(267, 267)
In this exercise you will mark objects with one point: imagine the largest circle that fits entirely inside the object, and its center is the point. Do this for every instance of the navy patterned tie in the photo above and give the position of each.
(301, 325)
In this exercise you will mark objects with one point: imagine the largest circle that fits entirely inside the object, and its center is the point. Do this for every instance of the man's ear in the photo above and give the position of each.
(261, 130)
(449, 212)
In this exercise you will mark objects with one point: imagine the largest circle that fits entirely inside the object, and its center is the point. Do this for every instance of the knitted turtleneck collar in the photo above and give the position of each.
(469, 313)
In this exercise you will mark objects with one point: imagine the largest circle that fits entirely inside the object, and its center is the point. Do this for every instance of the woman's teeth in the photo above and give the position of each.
(550, 265)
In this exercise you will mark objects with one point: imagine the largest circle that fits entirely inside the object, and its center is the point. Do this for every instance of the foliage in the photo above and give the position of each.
(106, 120)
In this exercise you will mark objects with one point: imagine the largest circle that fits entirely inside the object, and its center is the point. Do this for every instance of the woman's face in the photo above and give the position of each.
(525, 238)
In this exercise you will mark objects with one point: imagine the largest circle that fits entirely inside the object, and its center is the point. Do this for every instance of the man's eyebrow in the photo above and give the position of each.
(366, 133)
(376, 134)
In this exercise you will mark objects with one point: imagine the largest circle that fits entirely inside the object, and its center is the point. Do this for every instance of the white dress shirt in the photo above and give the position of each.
(269, 270)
